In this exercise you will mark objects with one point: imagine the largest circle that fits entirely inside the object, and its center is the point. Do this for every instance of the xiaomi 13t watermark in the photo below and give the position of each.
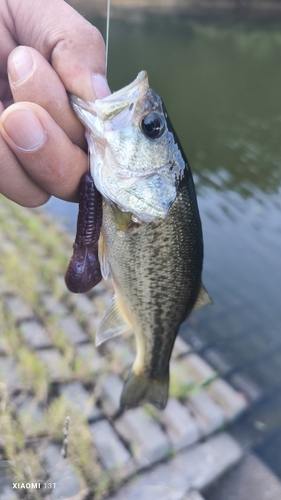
(34, 486)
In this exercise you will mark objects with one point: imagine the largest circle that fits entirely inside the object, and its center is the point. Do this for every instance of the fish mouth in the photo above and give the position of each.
(110, 106)
(81, 103)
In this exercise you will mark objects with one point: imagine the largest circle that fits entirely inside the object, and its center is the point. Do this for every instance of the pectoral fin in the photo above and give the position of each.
(112, 323)
(122, 219)
(104, 265)
(203, 299)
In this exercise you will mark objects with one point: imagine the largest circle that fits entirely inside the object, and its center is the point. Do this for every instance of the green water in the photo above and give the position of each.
(222, 86)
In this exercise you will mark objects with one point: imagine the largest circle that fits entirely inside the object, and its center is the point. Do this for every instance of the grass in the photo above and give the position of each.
(33, 373)
(181, 390)
(80, 450)
(35, 254)
(10, 336)
(22, 462)
(40, 242)
(181, 386)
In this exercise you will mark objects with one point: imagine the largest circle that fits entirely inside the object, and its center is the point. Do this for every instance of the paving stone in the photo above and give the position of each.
(42, 289)
(108, 286)
(34, 247)
(101, 288)
(76, 394)
(147, 440)
(192, 337)
(85, 305)
(8, 247)
(147, 492)
(180, 374)
(6, 484)
(206, 412)
(54, 306)
(123, 356)
(195, 468)
(115, 458)
(35, 334)
(248, 387)
(180, 426)
(218, 455)
(8, 493)
(93, 323)
(5, 288)
(73, 331)
(91, 357)
(198, 368)
(106, 298)
(18, 308)
(61, 473)
(4, 350)
(58, 284)
(111, 387)
(217, 361)
(250, 480)
(232, 402)
(30, 413)
(4, 210)
(181, 347)
(10, 374)
(101, 301)
(191, 370)
(55, 365)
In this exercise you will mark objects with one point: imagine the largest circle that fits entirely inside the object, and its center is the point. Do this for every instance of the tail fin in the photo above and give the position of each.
(139, 389)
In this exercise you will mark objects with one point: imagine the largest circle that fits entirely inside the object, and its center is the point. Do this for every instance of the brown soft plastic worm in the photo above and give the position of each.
(83, 272)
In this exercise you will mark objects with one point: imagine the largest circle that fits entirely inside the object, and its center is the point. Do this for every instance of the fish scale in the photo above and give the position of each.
(149, 269)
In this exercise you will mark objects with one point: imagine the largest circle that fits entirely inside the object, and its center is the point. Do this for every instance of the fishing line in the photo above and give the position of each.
(107, 34)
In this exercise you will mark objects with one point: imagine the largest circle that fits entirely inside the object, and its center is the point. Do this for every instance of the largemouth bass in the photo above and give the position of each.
(151, 238)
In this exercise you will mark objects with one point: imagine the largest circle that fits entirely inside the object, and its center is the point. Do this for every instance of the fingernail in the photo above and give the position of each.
(20, 64)
(24, 129)
(100, 85)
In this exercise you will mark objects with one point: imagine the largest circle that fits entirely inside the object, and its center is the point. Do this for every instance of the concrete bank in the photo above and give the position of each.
(51, 370)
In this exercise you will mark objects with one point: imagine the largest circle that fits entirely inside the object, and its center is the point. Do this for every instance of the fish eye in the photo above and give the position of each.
(153, 125)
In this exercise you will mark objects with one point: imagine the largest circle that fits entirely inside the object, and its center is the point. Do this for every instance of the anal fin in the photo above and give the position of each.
(112, 323)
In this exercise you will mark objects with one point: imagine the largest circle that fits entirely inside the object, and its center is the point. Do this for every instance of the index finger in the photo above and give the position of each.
(71, 44)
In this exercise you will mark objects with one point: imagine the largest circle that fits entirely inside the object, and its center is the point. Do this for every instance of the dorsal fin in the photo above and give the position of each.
(112, 323)
(203, 299)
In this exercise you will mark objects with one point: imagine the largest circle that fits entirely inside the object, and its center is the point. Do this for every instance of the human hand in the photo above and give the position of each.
(46, 49)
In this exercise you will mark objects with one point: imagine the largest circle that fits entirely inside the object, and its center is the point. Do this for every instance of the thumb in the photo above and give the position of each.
(71, 44)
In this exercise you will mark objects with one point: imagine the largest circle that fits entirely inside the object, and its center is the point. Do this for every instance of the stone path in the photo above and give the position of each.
(50, 369)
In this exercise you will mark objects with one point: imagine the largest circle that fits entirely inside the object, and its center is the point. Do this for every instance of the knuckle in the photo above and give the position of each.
(97, 38)
(88, 42)
(59, 38)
